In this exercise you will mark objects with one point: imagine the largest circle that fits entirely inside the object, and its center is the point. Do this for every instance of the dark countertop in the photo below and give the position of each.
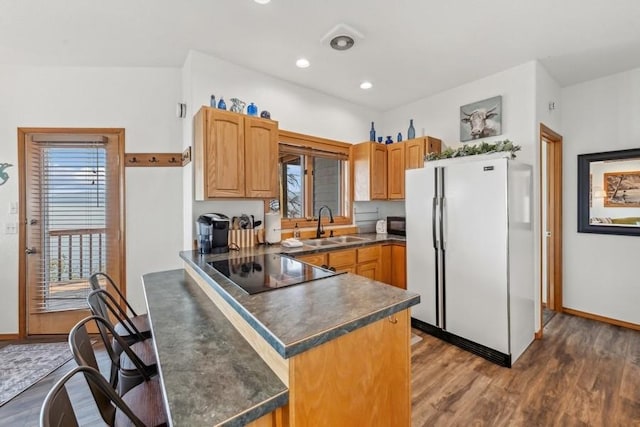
(210, 374)
(297, 318)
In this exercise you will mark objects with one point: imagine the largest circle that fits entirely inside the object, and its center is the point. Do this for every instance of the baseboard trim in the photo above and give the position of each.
(603, 319)
(490, 354)
(6, 337)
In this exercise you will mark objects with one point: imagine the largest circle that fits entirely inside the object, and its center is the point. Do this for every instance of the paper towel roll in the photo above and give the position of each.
(272, 230)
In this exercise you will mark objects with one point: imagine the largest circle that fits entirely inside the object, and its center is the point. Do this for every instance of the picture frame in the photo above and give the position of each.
(599, 205)
(481, 119)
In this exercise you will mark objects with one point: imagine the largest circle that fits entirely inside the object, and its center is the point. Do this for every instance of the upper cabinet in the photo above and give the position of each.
(377, 165)
(234, 155)
(396, 163)
(370, 171)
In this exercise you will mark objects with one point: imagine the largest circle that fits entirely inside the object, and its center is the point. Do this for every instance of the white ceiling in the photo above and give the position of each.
(411, 48)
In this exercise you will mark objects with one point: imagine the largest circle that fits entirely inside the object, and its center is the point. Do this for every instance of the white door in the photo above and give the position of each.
(476, 252)
(419, 192)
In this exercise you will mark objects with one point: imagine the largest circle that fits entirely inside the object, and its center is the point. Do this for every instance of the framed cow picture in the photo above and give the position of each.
(481, 119)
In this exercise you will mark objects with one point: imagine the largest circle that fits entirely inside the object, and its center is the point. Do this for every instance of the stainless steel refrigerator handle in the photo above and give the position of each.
(443, 212)
(433, 223)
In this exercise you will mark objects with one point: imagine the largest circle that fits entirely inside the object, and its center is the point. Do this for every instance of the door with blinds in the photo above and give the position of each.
(73, 222)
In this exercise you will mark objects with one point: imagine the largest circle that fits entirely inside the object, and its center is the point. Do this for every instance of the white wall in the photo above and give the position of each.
(295, 108)
(141, 100)
(600, 274)
(547, 92)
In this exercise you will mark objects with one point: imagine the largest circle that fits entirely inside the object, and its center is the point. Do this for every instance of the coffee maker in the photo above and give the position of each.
(213, 233)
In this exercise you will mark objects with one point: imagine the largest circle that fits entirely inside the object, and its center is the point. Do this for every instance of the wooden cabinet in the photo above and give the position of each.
(362, 378)
(379, 175)
(395, 170)
(398, 266)
(364, 261)
(416, 149)
(234, 155)
(370, 171)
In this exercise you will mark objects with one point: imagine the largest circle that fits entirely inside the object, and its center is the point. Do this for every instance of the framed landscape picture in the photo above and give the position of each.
(622, 189)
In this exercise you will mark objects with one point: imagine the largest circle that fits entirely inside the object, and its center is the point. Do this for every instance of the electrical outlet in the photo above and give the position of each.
(11, 228)
(13, 208)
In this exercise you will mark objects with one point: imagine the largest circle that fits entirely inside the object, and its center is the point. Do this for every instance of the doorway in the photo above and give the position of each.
(551, 223)
(71, 222)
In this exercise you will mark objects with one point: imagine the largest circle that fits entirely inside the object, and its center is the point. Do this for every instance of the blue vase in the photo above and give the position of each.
(372, 133)
(221, 104)
(411, 132)
(389, 140)
(380, 139)
(252, 109)
(399, 137)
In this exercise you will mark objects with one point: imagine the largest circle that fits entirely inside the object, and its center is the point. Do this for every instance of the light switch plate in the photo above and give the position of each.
(13, 208)
(11, 228)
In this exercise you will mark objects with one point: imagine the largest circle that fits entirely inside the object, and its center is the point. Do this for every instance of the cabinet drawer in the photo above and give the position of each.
(314, 259)
(342, 258)
(371, 253)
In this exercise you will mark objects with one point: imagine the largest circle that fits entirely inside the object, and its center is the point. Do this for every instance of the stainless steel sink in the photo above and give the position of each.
(346, 239)
(319, 242)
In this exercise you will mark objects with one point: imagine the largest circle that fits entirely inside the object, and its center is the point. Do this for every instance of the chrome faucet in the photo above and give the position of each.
(320, 230)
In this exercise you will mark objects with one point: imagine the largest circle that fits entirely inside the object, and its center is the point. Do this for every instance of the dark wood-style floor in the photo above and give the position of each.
(584, 373)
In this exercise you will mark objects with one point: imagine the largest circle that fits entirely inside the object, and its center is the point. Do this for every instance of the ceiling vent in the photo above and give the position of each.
(342, 37)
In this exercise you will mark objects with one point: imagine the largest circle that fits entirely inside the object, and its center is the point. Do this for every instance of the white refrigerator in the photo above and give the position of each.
(470, 253)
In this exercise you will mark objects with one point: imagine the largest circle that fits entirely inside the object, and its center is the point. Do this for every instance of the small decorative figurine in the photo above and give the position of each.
(265, 114)
(237, 105)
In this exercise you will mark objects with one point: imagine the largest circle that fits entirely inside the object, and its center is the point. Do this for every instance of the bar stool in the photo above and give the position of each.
(138, 322)
(141, 408)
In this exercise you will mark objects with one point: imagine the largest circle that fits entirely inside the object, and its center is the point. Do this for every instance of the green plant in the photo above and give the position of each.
(472, 150)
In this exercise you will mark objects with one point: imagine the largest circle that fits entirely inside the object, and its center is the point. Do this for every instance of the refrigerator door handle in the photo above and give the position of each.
(434, 235)
(443, 224)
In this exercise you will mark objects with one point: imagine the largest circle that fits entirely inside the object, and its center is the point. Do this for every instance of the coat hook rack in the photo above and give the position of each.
(153, 159)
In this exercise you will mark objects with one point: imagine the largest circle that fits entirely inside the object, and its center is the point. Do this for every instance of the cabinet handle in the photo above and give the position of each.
(393, 319)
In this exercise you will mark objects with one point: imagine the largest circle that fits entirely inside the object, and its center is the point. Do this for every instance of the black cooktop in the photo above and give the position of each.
(261, 273)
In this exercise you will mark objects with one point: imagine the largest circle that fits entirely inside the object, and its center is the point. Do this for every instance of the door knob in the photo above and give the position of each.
(30, 251)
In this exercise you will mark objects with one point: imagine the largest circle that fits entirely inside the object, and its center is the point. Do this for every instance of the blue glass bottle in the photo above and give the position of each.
(221, 104)
(213, 101)
(252, 109)
(372, 133)
(411, 132)
(399, 137)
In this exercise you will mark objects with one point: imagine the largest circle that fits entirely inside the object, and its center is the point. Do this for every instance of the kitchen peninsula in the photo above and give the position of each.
(332, 351)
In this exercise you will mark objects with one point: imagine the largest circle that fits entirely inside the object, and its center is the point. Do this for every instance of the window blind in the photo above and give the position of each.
(68, 224)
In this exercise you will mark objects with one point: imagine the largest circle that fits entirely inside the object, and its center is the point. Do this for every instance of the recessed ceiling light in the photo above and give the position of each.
(366, 85)
(302, 63)
(262, 1)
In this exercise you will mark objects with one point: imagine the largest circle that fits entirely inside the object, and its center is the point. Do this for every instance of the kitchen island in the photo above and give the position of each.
(333, 351)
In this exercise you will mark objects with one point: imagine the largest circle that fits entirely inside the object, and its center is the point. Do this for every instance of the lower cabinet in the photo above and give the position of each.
(385, 263)
(362, 378)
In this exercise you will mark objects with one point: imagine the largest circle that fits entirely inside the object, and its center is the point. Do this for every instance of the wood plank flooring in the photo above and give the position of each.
(584, 373)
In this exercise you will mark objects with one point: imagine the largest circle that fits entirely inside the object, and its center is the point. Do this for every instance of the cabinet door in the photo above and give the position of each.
(399, 266)
(224, 154)
(370, 270)
(314, 259)
(414, 153)
(395, 170)
(261, 157)
(385, 264)
(378, 172)
(341, 260)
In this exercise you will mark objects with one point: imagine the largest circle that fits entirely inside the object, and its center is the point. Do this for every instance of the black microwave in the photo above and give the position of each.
(397, 225)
